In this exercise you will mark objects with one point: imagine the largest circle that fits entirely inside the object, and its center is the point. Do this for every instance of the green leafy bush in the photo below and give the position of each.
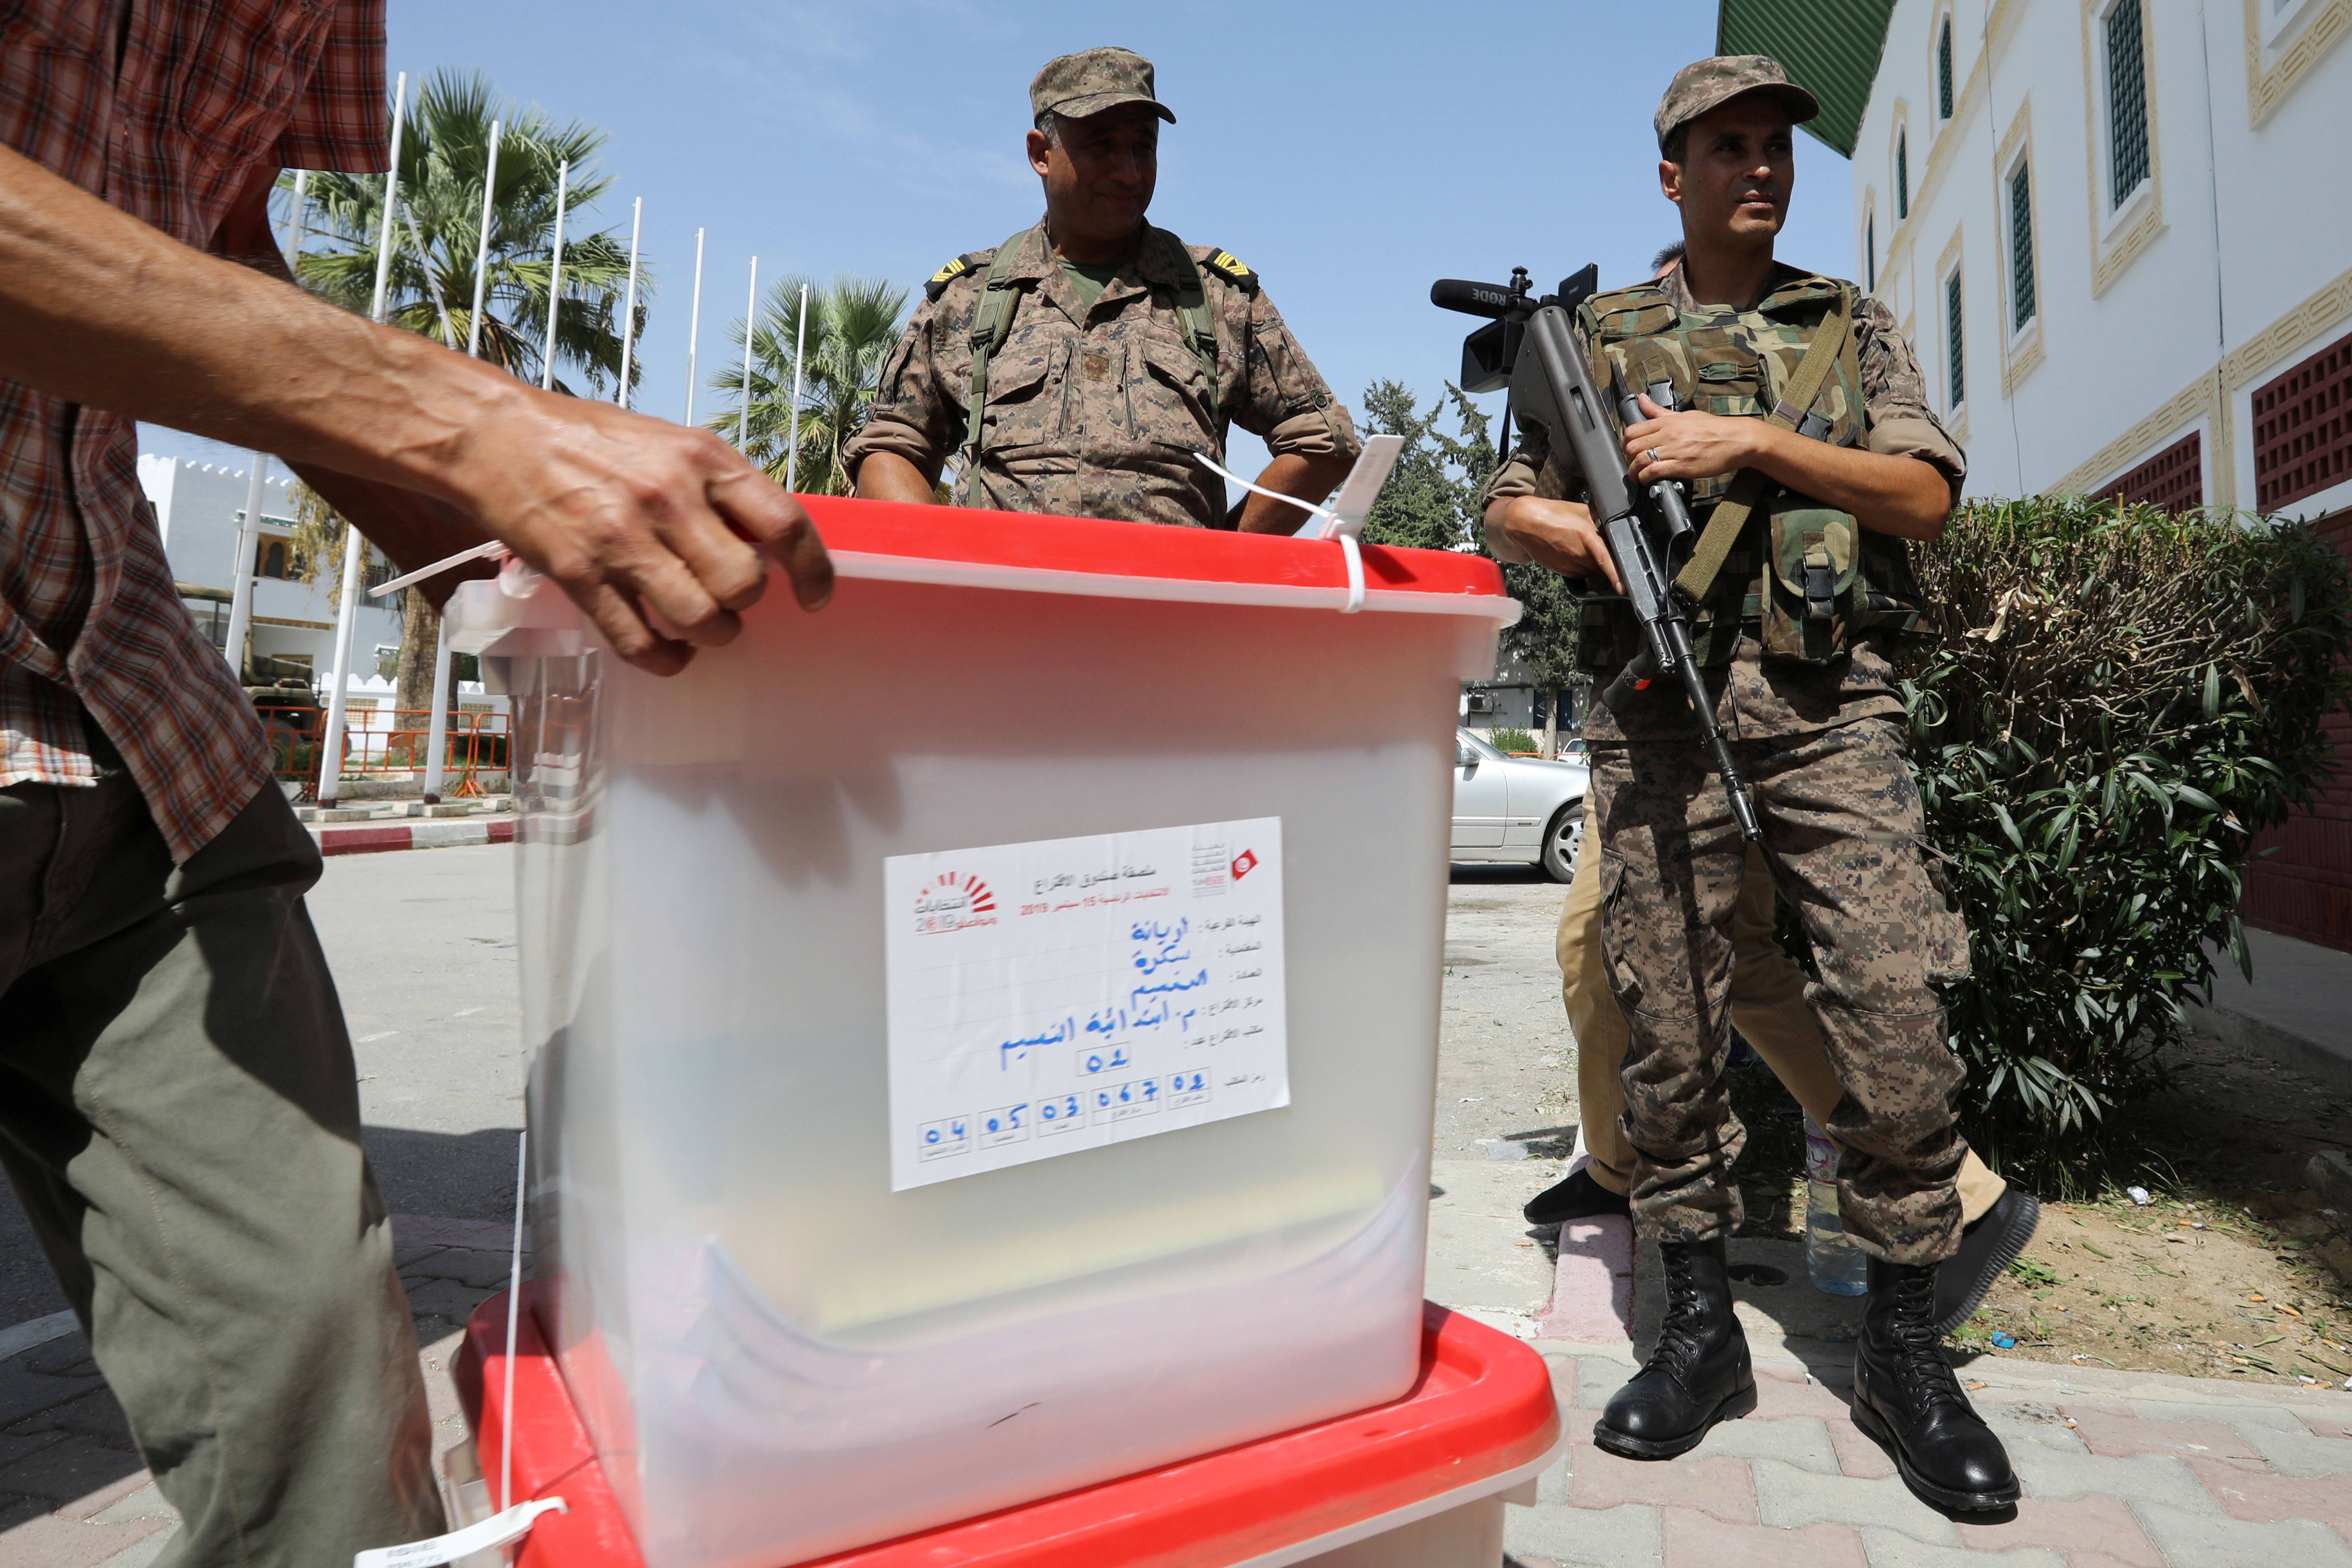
(1511, 742)
(2111, 703)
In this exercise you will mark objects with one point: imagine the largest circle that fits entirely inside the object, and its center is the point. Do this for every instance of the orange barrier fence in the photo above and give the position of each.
(476, 745)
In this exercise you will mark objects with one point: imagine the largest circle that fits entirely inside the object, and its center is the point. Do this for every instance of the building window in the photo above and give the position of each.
(1944, 69)
(2020, 249)
(1902, 175)
(1870, 253)
(270, 558)
(1954, 340)
(2303, 428)
(2127, 103)
(2174, 479)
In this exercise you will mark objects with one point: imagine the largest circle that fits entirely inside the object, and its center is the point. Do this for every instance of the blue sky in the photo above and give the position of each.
(1349, 152)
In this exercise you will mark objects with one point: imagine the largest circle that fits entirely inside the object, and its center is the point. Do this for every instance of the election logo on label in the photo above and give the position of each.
(953, 901)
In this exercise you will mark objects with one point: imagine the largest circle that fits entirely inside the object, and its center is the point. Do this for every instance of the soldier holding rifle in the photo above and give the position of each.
(1793, 414)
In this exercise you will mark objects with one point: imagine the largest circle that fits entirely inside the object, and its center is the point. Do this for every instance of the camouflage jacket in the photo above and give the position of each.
(1750, 356)
(1097, 412)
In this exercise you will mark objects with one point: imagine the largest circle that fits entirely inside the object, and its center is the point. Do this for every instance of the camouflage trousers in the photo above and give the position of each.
(1843, 822)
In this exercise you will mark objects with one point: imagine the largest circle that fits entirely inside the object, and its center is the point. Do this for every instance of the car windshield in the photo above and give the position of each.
(1475, 743)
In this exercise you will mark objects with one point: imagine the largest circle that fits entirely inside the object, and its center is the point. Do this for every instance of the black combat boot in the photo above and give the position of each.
(1579, 1197)
(1907, 1400)
(1700, 1373)
(1987, 1247)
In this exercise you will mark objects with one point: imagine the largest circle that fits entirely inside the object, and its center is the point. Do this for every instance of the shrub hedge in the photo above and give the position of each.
(2108, 704)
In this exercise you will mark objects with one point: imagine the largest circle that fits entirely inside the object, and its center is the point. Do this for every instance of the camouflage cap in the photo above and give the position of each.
(1086, 83)
(1703, 84)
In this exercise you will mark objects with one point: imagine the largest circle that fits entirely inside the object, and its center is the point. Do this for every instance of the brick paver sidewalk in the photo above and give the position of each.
(2120, 1470)
(73, 1493)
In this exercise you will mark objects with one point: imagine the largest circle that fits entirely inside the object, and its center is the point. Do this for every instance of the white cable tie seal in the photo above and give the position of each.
(1334, 527)
(476, 553)
(512, 1524)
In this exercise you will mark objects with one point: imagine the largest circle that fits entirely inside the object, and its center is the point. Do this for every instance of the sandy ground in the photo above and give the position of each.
(2222, 1274)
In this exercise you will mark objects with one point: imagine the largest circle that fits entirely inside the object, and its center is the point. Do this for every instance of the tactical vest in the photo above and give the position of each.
(1000, 297)
(1805, 580)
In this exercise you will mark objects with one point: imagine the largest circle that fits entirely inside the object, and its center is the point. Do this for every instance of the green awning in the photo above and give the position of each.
(1829, 48)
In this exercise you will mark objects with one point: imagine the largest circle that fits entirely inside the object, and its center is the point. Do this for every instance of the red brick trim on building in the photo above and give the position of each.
(2305, 890)
(2303, 428)
(2174, 479)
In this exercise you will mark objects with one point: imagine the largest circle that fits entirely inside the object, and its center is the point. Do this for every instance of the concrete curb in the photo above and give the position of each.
(1593, 1285)
(374, 837)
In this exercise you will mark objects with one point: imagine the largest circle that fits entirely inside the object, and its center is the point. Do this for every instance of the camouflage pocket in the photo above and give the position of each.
(1811, 570)
(1944, 938)
(1623, 983)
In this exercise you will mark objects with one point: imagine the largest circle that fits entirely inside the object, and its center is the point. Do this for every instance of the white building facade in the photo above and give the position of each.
(2114, 233)
(198, 508)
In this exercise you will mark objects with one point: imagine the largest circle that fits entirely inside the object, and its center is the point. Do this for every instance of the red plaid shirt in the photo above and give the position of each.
(163, 107)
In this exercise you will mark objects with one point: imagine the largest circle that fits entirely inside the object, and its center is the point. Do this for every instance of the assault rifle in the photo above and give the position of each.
(1529, 347)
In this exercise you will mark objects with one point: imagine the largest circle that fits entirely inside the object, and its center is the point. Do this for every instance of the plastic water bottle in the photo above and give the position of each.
(1837, 1265)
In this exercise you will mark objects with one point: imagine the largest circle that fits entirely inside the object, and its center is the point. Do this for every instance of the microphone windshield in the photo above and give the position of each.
(1491, 300)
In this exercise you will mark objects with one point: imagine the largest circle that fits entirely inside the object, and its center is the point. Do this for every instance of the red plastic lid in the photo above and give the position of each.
(867, 534)
(1483, 1407)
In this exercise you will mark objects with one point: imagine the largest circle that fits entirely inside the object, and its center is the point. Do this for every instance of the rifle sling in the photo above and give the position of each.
(1748, 487)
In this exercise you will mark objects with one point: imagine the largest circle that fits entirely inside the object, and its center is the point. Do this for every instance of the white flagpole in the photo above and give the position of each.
(331, 739)
(436, 740)
(240, 608)
(750, 331)
(694, 326)
(800, 353)
(629, 311)
(554, 279)
(482, 248)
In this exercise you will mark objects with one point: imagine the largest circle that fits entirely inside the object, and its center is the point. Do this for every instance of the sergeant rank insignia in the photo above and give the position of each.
(970, 261)
(1241, 277)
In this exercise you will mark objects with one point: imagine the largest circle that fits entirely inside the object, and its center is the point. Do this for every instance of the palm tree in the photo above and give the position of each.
(437, 227)
(443, 156)
(854, 323)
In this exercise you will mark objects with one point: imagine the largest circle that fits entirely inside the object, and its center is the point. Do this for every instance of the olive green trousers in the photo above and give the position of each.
(180, 1116)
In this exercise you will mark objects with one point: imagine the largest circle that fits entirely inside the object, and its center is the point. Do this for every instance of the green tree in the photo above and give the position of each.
(437, 231)
(853, 325)
(1430, 502)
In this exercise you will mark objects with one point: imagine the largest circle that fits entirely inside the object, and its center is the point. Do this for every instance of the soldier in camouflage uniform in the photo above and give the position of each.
(1111, 355)
(1791, 630)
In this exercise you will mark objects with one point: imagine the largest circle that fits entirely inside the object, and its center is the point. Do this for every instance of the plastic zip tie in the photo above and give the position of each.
(512, 1524)
(1333, 526)
(476, 553)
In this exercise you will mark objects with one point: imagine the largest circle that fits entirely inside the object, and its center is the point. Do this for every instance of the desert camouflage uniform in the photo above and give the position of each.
(1821, 746)
(1098, 411)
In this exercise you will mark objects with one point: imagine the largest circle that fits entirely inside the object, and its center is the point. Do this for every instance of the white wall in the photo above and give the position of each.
(198, 505)
(2236, 265)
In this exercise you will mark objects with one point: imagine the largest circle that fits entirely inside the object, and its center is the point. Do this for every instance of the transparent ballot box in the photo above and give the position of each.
(984, 1031)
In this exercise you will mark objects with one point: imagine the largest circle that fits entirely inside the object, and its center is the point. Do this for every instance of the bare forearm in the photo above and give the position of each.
(1310, 478)
(108, 311)
(886, 476)
(1903, 496)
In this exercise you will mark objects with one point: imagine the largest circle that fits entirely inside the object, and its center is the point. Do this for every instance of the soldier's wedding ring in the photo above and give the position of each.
(1654, 453)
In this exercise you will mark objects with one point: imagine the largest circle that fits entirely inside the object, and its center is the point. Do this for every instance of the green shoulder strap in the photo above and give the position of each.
(1200, 328)
(1738, 503)
(999, 297)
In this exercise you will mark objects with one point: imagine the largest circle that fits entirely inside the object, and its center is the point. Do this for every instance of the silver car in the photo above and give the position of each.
(1516, 809)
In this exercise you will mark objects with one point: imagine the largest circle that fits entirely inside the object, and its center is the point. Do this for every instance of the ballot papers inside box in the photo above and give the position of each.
(984, 1031)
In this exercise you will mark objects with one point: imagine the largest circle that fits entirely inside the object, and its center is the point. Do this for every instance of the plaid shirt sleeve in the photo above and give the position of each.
(339, 124)
(165, 108)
